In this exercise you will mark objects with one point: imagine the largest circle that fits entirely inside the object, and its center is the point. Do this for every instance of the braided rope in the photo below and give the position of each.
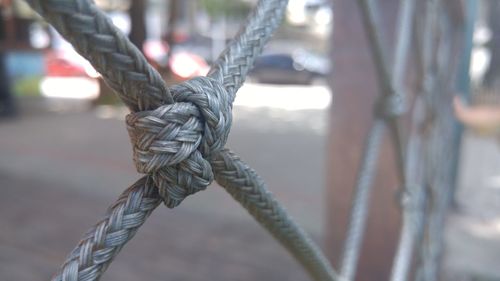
(249, 189)
(120, 63)
(99, 246)
(178, 134)
(237, 59)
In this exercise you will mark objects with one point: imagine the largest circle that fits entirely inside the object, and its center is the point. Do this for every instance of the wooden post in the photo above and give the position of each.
(355, 89)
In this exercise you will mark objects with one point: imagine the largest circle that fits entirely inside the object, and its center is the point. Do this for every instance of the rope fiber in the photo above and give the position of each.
(178, 135)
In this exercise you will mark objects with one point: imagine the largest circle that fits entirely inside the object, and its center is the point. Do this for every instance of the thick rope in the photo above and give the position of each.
(177, 135)
(101, 43)
(103, 242)
(120, 63)
(246, 187)
(174, 143)
(233, 64)
(99, 246)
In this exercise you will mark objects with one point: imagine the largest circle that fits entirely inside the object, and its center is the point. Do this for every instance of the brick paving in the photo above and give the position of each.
(60, 171)
(41, 222)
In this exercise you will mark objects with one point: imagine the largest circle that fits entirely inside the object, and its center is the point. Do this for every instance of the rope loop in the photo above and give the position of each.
(174, 142)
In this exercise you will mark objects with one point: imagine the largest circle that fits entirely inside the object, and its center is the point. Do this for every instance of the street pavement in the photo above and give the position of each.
(62, 165)
(473, 230)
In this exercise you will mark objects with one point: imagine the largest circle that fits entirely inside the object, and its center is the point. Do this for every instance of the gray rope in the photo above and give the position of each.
(177, 135)
(178, 138)
(413, 219)
(426, 47)
(99, 246)
(412, 192)
(249, 189)
(120, 63)
(370, 18)
(388, 107)
(97, 249)
(174, 143)
(405, 27)
(426, 270)
(213, 95)
(360, 205)
(98, 40)
(443, 140)
(232, 66)
(413, 197)
(399, 98)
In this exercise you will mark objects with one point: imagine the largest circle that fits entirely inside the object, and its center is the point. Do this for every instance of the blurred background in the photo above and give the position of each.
(300, 121)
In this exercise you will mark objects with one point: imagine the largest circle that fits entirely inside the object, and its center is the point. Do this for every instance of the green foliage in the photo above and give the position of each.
(27, 86)
(227, 8)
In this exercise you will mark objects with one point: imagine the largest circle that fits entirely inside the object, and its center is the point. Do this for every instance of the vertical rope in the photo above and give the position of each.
(412, 197)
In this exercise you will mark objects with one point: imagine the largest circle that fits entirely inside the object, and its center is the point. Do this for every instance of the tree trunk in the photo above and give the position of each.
(170, 36)
(138, 25)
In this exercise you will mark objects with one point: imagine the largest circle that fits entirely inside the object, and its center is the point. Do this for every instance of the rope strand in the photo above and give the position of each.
(178, 134)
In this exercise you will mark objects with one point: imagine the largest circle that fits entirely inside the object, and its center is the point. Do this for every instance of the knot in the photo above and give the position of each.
(411, 198)
(174, 142)
(390, 106)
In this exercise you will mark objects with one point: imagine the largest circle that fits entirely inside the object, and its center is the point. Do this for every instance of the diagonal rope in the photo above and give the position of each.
(121, 64)
(178, 134)
(359, 208)
(249, 189)
(390, 105)
(99, 246)
(237, 59)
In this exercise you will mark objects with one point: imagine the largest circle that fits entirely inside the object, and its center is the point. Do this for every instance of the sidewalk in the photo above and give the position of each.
(472, 235)
(60, 171)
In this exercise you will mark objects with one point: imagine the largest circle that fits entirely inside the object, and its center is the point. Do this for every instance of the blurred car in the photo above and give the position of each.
(187, 59)
(62, 63)
(185, 65)
(298, 68)
(69, 76)
(156, 52)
